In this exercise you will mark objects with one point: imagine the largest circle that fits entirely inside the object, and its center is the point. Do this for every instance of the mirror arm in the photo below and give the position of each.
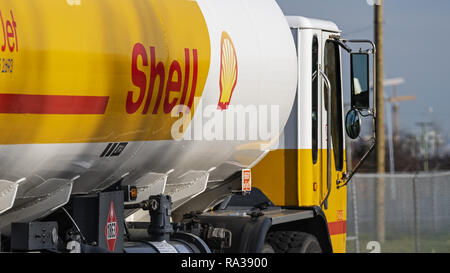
(343, 43)
(363, 159)
(374, 48)
(338, 40)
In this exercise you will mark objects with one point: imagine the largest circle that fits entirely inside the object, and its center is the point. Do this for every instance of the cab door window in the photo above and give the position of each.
(332, 69)
(314, 96)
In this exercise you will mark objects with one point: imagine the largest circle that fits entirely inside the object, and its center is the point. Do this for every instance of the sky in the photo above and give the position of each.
(416, 39)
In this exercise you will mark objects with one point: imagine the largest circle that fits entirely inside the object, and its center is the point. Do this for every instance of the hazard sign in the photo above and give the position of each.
(111, 229)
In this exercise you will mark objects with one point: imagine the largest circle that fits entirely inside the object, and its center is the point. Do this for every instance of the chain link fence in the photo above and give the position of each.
(416, 218)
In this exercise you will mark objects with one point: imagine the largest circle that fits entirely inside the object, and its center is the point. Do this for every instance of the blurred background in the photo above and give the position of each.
(415, 200)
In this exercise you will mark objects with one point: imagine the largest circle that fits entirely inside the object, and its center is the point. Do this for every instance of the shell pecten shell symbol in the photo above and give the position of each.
(228, 71)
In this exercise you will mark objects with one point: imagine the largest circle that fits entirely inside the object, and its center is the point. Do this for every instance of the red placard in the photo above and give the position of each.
(246, 180)
(111, 229)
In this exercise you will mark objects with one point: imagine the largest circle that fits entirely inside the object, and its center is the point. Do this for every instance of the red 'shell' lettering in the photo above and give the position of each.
(9, 28)
(174, 89)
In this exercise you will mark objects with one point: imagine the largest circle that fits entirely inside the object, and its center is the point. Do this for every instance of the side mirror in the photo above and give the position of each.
(360, 80)
(352, 124)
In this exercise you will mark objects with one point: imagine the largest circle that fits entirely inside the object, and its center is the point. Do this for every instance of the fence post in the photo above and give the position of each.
(416, 216)
(355, 215)
(433, 203)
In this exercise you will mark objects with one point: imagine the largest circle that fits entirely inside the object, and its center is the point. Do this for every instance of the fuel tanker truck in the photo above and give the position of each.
(221, 120)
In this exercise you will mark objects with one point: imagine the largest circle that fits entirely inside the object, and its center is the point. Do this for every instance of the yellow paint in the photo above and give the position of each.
(337, 202)
(339, 243)
(276, 176)
(86, 50)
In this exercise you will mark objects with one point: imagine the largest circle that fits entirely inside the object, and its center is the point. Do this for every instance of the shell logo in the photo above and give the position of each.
(228, 71)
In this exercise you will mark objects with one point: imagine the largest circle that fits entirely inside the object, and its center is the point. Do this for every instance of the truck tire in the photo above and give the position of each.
(293, 242)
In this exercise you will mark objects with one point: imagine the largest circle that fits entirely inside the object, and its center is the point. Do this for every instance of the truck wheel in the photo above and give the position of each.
(293, 242)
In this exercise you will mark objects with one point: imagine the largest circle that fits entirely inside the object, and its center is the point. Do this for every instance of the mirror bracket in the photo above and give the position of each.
(345, 179)
(341, 42)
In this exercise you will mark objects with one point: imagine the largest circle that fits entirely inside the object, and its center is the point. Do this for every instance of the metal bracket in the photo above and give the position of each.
(346, 179)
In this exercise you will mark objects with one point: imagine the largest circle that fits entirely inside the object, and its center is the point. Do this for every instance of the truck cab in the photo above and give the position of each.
(306, 169)
(302, 154)
(299, 186)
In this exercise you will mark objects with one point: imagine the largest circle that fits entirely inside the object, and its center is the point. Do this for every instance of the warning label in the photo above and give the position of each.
(246, 180)
(111, 229)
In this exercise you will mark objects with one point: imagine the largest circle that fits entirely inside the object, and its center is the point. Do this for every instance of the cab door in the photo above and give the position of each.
(331, 67)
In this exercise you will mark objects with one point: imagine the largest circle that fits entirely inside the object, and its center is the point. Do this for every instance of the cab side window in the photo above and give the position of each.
(314, 96)
(333, 71)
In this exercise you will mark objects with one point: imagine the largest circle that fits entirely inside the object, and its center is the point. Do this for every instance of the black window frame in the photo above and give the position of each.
(315, 98)
(337, 134)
